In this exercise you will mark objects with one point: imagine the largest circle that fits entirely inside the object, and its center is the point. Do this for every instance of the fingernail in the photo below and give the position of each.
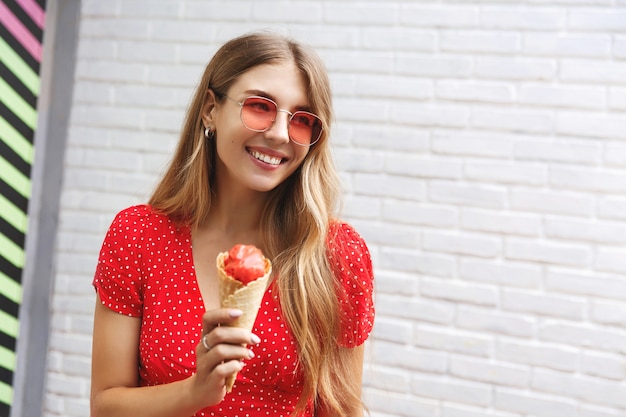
(235, 313)
(250, 354)
(255, 339)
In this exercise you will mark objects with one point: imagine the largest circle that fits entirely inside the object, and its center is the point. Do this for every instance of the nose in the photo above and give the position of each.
(279, 131)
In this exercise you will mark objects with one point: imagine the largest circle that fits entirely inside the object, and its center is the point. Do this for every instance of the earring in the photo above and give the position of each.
(208, 133)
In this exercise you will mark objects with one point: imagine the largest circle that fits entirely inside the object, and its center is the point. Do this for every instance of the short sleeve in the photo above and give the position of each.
(118, 277)
(352, 264)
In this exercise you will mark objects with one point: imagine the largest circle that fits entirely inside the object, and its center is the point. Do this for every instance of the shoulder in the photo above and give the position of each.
(347, 246)
(141, 218)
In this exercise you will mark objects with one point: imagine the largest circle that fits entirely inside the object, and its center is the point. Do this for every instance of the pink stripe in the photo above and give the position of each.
(34, 11)
(20, 33)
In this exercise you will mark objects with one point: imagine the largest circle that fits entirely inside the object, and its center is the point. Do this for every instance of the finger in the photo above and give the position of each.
(225, 335)
(214, 318)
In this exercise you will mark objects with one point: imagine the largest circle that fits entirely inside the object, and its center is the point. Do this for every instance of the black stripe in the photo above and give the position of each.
(24, 18)
(5, 409)
(19, 49)
(13, 196)
(10, 270)
(17, 123)
(6, 375)
(14, 159)
(42, 3)
(17, 85)
(9, 306)
(11, 232)
(8, 342)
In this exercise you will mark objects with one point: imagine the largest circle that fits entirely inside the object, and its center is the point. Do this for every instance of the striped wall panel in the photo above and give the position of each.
(21, 34)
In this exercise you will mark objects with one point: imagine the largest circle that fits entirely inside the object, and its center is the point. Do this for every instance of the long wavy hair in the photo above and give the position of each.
(295, 221)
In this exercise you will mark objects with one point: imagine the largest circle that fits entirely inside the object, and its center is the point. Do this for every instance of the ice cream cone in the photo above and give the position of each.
(247, 298)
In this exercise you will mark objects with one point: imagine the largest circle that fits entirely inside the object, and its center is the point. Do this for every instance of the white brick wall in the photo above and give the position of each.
(482, 146)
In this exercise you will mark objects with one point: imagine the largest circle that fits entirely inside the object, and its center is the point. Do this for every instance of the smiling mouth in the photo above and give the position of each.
(266, 158)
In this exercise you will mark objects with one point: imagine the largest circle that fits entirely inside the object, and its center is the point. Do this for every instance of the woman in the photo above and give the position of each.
(253, 166)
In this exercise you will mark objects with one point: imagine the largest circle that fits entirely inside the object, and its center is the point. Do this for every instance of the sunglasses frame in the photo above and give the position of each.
(241, 105)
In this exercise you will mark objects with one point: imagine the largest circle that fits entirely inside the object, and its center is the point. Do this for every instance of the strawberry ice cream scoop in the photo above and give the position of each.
(245, 263)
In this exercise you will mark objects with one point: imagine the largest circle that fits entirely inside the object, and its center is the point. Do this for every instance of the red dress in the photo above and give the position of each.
(146, 270)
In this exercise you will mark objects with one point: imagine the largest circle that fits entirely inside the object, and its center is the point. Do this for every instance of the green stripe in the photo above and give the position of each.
(8, 324)
(18, 181)
(7, 359)
(13, 215)
(17, 105)
(10, 289)
(6, 393)
(12, 252)
(19, 68)
(16, 141)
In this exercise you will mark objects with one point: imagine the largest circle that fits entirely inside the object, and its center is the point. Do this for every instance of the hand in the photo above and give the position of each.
(224, 356)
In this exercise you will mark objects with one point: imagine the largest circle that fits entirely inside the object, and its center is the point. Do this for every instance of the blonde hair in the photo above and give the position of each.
(295, 221)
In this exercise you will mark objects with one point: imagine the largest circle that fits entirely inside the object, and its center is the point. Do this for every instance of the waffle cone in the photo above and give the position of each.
(247, 298)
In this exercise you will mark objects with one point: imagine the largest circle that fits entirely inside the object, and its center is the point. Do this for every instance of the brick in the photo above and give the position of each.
(422, 65)
(397, 235)
(461, 292)
(524, 121)
(486, 196)
(365, 14)
(547, 252)
(504, 42)
(394, 86)
(515, 69)
(402, 405)
(403, 139)
(610, 313)
(396, 283)
(525, 403)
(487, 145)
(414, 261)
(159, 8)
(115, 28)
(338, 60)
(577, 230)
(428, 114)
(452, 390)
(400, 187)
(498, 222)
(416, 309)
(506, 172)
(552, 202)
(600, 20)
(566, 45)
(582, 335)
(591, 125)
(475, 91)
(462, 243)
(359, 160)
(607, 181)
(589, 71)
(569, 151)
(90, 92)
(417, 214)
(487, 371)
(386, 378)
(563, 358)
(502, 274)
(453, 340)
(433, 16)
(418, 166)
(392, 330)
(603, 365)
(617, 97)
(494, 322)
(101, 49)
(392, 354)
(612, 207)
(619, 46)
(586, 284)
(362, 207)
(560, 96)
(536, 303)
(398, 38)
(523, 18)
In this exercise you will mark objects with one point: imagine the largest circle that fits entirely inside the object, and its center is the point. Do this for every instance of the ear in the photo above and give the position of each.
(208, 108)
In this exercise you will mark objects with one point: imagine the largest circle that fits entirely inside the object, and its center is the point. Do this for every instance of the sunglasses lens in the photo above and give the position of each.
(305, 128)
(258, 113)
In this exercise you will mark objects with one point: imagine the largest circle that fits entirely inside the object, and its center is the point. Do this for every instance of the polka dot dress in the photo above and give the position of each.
(146, 270)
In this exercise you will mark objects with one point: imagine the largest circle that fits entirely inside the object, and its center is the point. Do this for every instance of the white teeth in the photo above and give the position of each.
(266, 158)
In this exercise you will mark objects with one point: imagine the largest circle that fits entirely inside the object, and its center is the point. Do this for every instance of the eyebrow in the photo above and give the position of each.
(265, 94)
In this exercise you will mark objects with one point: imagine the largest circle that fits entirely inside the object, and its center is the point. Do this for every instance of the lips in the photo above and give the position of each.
(272, 160)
